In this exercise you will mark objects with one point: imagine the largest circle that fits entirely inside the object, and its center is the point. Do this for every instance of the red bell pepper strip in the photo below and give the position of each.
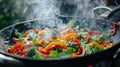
(88, 39)
(101, 41)
(93, 32)
(42, 50)
(81, 51)
(114, 29)
(15, 48)
(78, 44)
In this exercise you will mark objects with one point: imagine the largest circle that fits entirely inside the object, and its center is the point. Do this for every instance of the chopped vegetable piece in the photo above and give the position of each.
(71, 50)
(53, 54)
(34, 53)
(73, 23)
(113, 32)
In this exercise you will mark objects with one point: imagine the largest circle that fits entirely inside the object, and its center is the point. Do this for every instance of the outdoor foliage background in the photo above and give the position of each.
(9, 13)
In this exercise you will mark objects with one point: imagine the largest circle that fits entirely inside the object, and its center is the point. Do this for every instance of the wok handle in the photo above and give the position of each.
(115, 58)
(107, 9)
(6, 60)
(115, 10)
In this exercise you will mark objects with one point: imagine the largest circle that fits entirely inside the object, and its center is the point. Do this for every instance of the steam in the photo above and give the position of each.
(34, 9)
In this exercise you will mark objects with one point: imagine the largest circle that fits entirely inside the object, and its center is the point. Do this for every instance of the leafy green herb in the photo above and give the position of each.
(20, 35)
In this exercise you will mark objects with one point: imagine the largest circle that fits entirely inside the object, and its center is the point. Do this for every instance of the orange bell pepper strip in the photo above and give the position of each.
(101, 41)
(52, 46)
(107, 45)
(69, 36)
(54, 37)
(97, 44)
(42, 42)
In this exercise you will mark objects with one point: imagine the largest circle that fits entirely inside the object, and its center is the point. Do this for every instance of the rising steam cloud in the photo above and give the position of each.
(34, 9)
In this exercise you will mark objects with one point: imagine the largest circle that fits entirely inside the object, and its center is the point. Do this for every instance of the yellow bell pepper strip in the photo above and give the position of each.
(52, 46)
(97, 44)
(35, 41)
(69, 36)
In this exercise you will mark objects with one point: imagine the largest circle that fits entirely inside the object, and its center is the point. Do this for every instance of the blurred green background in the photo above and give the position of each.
(9, 13)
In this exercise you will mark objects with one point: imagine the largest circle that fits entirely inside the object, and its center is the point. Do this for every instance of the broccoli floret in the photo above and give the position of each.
(73, 23)
(34, 53)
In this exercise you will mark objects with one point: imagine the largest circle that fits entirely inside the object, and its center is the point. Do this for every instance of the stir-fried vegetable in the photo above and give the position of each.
(51, 43)
(73, 23)
(113, 32)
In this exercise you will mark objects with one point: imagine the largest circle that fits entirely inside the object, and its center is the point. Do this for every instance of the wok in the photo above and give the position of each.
(103, 26)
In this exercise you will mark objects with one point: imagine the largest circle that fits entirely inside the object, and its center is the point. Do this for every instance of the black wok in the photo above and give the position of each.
(96, 24)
